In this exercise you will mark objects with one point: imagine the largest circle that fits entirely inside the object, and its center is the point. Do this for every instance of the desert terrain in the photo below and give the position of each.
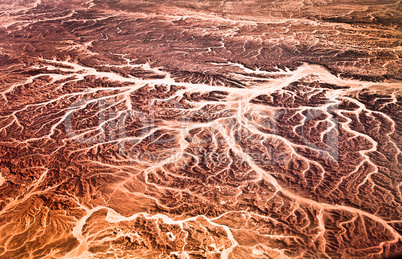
(200, 129)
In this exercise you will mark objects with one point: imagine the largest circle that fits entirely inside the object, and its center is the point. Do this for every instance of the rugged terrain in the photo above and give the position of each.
(200, 129)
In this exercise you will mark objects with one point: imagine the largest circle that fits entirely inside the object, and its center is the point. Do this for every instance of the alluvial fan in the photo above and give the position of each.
(200, 129)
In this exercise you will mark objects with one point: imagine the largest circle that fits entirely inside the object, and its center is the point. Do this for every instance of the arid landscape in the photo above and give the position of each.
(200, 129)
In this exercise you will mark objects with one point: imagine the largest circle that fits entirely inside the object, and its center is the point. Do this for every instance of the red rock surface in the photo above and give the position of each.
(200, 129)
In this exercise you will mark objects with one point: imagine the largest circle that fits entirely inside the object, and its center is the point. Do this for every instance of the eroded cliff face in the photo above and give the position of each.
(200, 129)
